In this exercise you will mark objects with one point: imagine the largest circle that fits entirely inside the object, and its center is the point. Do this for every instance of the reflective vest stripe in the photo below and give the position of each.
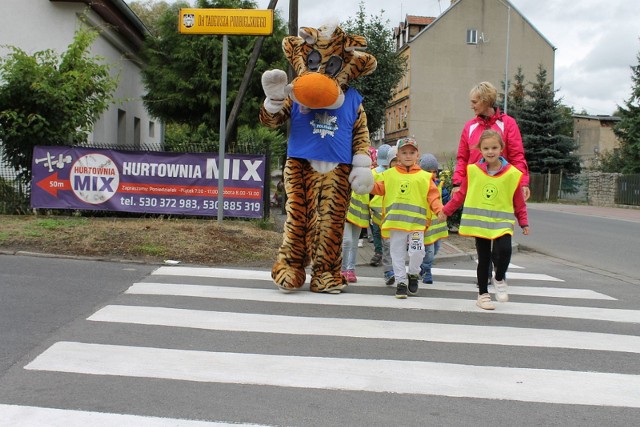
(488, 213)
(358, 213)
(375, 204)
(437, 229)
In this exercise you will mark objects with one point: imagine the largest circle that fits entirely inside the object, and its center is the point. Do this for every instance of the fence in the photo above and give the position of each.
(15, 195)
(593, 188)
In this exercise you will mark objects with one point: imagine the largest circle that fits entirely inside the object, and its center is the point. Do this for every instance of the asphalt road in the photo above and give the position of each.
(607, 239)
(103, 344)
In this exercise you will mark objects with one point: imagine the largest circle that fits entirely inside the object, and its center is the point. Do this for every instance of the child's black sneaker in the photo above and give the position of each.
(401, 291)
(413, 284)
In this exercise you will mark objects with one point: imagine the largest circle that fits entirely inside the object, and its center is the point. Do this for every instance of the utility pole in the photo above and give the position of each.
(248, 72)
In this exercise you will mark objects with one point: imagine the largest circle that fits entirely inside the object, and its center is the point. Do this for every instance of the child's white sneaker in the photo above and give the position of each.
(502, 290)
(485, 303)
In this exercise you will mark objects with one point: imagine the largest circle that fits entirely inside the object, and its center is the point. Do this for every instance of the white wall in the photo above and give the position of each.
(36, 25)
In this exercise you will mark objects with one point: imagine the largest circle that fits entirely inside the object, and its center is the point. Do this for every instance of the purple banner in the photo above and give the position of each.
(146, 182)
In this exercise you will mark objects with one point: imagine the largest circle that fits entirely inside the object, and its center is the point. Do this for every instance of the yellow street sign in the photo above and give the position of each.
(258, 22)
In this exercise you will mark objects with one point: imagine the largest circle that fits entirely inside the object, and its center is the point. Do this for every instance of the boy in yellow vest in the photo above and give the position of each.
(437, 229)
(492, 196)
(409, 198)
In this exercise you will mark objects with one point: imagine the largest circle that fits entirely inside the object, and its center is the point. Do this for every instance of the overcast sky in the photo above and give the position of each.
(596, 40)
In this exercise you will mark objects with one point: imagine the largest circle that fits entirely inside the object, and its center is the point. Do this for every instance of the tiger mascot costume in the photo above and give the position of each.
(327, 154)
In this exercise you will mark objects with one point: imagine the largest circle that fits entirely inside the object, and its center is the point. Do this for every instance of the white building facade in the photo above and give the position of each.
(37, 25)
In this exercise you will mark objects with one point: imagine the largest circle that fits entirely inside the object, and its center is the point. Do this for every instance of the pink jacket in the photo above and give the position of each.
(513, 148)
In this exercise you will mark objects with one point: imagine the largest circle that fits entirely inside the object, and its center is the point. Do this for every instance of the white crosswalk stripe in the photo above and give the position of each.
(367, 311)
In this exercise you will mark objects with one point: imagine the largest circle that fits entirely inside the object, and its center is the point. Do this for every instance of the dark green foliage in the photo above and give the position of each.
(377, 88)
(517, 95)
(544, 126)
(627, 159)
(46, 99)
(183, 76)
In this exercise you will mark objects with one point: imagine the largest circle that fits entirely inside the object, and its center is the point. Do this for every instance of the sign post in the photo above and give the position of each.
(225, 22)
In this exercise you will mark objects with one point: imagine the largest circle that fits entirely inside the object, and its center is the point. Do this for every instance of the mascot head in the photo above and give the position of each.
(325, 60)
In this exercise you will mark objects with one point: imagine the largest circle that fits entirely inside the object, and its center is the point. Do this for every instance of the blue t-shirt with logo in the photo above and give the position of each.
(324, 134)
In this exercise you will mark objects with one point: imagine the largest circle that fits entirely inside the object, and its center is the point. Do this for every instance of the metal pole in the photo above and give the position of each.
(506, 66)
(223, 125)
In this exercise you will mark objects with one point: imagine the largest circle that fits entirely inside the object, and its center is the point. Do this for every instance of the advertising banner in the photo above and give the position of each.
(146, 182)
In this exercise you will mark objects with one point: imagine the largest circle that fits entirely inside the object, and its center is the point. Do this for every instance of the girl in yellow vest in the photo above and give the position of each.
(491, 195)
(409, 198)
(357, 220)
(437, 229)
(358, 217)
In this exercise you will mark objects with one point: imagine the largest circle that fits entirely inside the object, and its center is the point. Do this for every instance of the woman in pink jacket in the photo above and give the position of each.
(483, 98)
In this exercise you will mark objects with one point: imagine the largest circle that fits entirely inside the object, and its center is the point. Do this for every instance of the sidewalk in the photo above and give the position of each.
(447, 250)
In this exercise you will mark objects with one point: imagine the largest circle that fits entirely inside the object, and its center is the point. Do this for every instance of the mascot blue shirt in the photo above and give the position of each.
(324, 134)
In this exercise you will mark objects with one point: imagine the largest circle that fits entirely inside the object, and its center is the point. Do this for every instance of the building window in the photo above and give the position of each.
(136, 132)
(152, 130)
(472, 36)
(122, 127)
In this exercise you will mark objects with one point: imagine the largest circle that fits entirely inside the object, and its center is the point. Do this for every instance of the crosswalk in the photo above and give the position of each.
(232, 332)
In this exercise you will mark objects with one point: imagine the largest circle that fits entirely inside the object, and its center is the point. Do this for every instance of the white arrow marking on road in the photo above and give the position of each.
(361, 328)
(426, 378)
(359, 300)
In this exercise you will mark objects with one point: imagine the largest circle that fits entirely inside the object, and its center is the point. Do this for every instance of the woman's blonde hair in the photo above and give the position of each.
(486, 92)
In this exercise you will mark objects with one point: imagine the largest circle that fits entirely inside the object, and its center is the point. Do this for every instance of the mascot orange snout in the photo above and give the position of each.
(315, 90)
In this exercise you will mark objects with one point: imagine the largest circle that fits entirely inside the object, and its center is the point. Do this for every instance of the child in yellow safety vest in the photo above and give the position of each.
(437, 229)
(358, 217)
(492, 200)
(409, 198)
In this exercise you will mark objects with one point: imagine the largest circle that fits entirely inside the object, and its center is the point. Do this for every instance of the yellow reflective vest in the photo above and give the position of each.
(405, 205)
(358, 211)
(375, 204)
(488, 206)
(437, 229)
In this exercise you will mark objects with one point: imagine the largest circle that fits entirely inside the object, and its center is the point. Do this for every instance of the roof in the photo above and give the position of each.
(506, 3)
(602, 118)
(419, 20)
(118, 14)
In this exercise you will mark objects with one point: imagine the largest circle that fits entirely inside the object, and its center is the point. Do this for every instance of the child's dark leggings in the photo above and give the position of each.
(500, 255)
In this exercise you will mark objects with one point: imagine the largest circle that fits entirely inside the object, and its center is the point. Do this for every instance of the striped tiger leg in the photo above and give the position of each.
(288, 272)
(333, 191)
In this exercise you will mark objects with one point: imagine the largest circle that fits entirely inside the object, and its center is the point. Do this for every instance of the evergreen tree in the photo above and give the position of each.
(376, 88)
(543, 126)
(517, 95)
(628, 128)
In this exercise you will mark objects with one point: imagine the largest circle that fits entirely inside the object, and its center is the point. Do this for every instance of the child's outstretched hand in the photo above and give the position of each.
(525, 230)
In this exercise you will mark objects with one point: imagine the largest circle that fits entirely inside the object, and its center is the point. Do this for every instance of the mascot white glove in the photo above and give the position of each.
(274, 84)
(361, 177)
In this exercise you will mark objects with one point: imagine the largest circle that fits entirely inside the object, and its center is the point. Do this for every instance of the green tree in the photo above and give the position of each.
(183, 73)
(150, 12)
(543, 126)
(46, 99)
(628, 128)
(517, 95)
(377, 88)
